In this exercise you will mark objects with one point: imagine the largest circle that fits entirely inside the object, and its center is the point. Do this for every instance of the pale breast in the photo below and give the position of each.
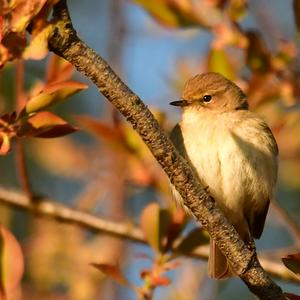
(234, 155)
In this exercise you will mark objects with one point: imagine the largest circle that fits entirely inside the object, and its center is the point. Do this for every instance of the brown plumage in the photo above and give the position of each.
(232, 151)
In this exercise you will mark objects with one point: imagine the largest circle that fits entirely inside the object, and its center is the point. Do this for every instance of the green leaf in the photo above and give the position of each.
(219, 62)
(160, 12)
(171, 13)
(155, 223)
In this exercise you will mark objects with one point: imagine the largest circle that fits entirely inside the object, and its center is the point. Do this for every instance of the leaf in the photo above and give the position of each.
(154, 278)
(160, 281)
(170, 13)
(38, 47)
(257, 56)
(292, 262)
(292, 296)
(12, 46)
(109, 135)
(178, 222)
(4, 143)
(52, 93)
(12, 262)
(23, 11)
(59, 69)
(237, 9)
(46, 125)
(219, 62)
(155, 223)
(194, 239)
(112, 271)
(160, 12)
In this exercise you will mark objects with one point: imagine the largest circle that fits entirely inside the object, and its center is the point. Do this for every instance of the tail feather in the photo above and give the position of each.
(218, 266)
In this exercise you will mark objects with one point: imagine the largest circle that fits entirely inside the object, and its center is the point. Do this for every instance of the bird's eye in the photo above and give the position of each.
(206, 98)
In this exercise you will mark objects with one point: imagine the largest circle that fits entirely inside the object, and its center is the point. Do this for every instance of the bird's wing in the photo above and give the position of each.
(177, 139)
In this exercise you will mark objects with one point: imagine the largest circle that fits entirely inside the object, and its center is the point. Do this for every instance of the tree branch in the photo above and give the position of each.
(65, 43)
(53, 209)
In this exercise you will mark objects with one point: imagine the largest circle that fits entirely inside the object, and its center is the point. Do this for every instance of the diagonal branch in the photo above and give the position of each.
(65, 43)
(53, 209)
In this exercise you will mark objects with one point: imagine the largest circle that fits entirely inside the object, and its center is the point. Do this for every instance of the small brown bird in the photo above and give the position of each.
(232, 151)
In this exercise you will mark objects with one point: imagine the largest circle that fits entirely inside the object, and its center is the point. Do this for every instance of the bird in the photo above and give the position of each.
(233, 153)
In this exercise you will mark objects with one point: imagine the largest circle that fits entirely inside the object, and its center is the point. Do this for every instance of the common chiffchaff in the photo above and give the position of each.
(233, 153)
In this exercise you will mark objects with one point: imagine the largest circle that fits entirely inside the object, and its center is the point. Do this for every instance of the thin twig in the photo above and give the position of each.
(20, 151)
(53, 209)
(287, 220)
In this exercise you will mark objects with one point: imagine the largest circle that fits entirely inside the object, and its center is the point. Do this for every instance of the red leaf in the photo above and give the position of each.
(160, 281)
(112, 271)
(292, 296)
(12, 262)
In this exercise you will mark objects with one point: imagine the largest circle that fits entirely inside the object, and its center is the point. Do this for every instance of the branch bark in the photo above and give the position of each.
(64, 42)
(55, 210)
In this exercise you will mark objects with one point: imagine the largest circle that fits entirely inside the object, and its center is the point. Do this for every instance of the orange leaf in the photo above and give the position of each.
(4, 143)
(23, 12)
(12, 262)
(46, 125)
(58, 69)
(53, 93)
(38, 47)
(160, 281)
(45, 119)
(108, 134)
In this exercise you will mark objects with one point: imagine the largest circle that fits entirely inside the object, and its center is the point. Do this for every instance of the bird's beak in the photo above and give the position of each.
(180, 103)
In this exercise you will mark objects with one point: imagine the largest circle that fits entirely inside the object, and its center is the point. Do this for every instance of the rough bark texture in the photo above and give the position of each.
(65, 43)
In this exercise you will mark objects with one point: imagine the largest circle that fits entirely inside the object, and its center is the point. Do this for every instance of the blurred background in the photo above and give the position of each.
(105, 169)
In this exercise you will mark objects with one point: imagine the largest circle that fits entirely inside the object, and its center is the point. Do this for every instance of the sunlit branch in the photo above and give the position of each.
(64, 42)
(55, 210)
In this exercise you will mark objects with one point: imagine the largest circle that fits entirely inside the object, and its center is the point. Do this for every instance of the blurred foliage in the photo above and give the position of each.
(110, 165)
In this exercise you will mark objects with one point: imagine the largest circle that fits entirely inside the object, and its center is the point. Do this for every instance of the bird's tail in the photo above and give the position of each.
(218, 267)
